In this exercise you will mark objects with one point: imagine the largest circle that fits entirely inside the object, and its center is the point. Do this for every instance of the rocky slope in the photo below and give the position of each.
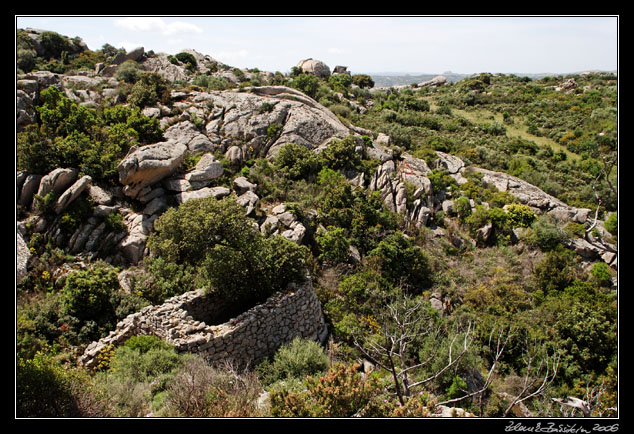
(239, 124)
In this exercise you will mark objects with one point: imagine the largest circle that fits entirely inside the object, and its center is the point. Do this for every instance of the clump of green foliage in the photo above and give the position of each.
(234, 262)
(294, 360)
(71, 135)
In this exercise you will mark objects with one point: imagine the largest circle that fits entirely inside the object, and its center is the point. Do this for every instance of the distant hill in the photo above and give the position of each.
(387, 79)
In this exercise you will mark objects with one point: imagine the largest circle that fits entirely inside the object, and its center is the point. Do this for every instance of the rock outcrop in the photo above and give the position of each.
(146, 165)
(434, 82)
(315, 67)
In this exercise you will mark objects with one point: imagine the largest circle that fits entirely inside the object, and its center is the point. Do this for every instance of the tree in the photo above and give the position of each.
(234, 261)
(297, 161)
(333, 245)
(129, 71)
(340, 82)
(540, 372)
(148, 90)
(404, 321)
(54, 43)
(307, 83)
(188, 59)
(363, 80)
(402, 262)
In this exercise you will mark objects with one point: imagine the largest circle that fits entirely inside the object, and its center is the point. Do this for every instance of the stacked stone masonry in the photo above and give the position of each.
(245, 340)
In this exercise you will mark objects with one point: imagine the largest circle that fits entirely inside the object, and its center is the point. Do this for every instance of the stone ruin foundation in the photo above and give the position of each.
(187, 322)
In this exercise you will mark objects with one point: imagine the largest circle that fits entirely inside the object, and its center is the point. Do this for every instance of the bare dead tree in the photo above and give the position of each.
(541, 369)
(498, 339)
(590, 405)
(608, 164)
(404, 321)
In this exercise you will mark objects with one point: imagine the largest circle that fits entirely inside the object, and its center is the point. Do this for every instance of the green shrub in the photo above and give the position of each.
(333, 245)
(364, 290)
(601, 273)
(462, 206)
(402, 262)
(61, 116)
(86, 294)
(88, 301)
(188, 59)
(47, 389)
(149, 90)
(144, 361)
(546, 234)
(520, 215)
(555, 272)
(144, 343)
(612, 225)
(295, 360)
(340, 82)
(164, 279)
(75, 136)
(341, 154)
(306, 83)
(340, 392)
(54, 43)
(363, 81)
(297, 161)
(129, 72)
(234, 261)
(440, 180)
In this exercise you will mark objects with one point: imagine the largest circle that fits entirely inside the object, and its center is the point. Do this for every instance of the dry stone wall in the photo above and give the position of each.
(186, 321)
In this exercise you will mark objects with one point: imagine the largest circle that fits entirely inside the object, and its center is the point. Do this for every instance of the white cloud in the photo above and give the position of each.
(156, 24)
(335, 51)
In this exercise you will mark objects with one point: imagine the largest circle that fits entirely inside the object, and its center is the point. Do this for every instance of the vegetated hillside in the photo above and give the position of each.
(461, 237)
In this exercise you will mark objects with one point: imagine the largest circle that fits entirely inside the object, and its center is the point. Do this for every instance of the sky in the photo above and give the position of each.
(365, 44)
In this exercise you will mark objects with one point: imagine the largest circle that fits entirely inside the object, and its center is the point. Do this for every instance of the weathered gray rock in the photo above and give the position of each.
(99, 195)
(249, 201)
(134, 55)
(448, 207)
(295, 233)
(585, 249)
(25, 111)
(400, 199)
(241, 185)
(527, 193)
(176, 184)
(234, 155)
(146, 165)
(269, 225)
(156, 206)
(451, 163)
(186, 133)
(263, 119)
(315, 67)
(72, 193)
(57, 181)
(207, 169)
(380, 149)
(22, 257)
(217, 192)
(483, 235)
(439, 80)
(133, 245)
(29, 187)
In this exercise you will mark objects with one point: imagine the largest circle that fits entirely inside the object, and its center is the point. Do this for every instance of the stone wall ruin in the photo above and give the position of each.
(186, 322)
